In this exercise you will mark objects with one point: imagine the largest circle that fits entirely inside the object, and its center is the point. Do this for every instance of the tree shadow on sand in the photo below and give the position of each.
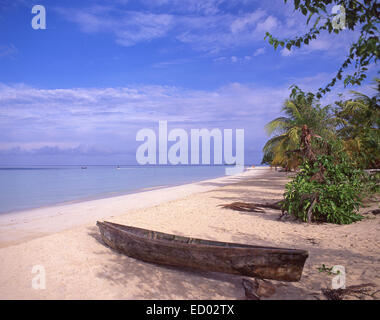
(271, 179)
(359, 268)
(254, 190)
(152, 281)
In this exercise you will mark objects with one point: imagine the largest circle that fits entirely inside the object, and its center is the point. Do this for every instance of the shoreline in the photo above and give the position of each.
(23, 225)
(84, 199)
(108, 194)
(78, 265)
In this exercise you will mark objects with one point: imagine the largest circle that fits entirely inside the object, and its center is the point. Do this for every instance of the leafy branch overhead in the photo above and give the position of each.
(360, 16)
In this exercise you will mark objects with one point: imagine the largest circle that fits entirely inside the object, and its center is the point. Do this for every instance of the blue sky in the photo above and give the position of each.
(79, 91)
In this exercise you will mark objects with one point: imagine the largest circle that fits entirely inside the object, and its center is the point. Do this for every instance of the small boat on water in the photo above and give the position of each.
(233, 258)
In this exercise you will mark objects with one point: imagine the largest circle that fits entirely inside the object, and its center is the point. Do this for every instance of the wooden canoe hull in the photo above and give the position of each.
(160, 248)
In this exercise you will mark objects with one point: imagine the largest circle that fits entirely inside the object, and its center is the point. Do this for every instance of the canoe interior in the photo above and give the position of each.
(160, 236)
(207, 255)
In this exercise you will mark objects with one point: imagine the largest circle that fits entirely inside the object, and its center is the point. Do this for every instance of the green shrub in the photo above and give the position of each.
(334, 198)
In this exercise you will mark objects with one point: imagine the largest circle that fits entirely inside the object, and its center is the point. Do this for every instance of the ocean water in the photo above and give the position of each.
(30, 187)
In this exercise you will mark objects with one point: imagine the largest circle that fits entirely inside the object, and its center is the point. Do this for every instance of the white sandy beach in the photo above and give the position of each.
(65, 241)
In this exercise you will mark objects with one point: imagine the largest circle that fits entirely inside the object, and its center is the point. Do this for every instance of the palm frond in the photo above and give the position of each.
(291, 109)
(279, 124)
(271, 143)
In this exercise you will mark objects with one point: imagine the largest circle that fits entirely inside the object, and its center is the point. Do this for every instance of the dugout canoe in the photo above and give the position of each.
(205, 255)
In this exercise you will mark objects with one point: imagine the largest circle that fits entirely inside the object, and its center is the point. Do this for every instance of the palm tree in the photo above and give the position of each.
(300, 110)
(359, 127)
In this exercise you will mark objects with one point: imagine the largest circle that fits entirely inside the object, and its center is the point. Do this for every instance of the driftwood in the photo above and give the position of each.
(339, 294)
(374, 212)
(205, 255)
(258, 288)
(252, 207)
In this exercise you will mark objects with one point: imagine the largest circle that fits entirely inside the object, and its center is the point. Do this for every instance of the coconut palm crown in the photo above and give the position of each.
(299, 110)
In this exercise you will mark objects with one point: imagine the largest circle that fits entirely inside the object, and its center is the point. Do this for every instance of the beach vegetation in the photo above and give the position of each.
(326, 190)
(331, 147)
(327, 270)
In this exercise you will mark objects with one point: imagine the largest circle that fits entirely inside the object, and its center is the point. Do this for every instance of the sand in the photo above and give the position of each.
(65, 241)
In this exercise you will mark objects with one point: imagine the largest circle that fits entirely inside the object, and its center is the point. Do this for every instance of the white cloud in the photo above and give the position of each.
(203, 25)
(220, 59)
(128, 27)
(165, 64)
(259, 52)
(248, 20)
(204, 31)
(8, 50)
(242, 59)
(108, 118)
(268, 25)
(143, 27)
(32, 117)
(286, 52)
(187, 6)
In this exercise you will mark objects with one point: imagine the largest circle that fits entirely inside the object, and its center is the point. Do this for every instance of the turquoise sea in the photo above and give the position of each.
(36, 186)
